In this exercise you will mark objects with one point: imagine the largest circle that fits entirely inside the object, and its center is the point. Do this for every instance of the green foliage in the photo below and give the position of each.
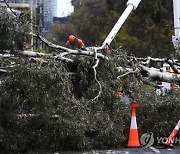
(59, 96)
(65, 118)
(158, 114)
(47, 92)
(149, 30)
(13, 33)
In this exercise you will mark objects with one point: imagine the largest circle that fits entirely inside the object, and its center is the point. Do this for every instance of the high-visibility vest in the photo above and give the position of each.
(77, 43)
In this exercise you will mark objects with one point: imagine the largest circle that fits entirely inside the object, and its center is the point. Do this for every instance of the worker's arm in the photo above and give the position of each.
(81, 44)
(68, 44)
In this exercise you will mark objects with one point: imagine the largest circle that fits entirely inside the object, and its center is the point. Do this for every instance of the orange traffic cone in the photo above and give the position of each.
(169, 141)
(117, 94)
(173, 87)
(133, 133)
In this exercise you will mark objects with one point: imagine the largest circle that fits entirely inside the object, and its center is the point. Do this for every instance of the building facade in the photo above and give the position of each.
(46, 11)
(44, 15)
(48, 14)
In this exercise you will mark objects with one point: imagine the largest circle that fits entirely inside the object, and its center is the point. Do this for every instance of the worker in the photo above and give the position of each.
(75, 43)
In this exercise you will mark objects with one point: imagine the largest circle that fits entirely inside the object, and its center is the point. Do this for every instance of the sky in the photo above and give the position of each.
(64, 8)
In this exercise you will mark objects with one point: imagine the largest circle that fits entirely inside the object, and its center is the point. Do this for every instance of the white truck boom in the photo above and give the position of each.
(131, 5)
(176, 37)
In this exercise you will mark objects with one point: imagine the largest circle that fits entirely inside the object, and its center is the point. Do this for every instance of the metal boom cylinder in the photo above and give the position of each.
(176, 37)
(131, 4)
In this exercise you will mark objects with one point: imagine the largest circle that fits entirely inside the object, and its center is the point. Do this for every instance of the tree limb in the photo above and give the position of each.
(68, 51)
(95, 75)
(161, 76)
(172, 64)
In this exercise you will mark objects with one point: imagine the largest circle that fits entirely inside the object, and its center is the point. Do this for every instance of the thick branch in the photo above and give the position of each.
(127, 73)
(3, 72)
(173, 66)
(6, 55)
(68, 51)
(34, 54)
(162, 76)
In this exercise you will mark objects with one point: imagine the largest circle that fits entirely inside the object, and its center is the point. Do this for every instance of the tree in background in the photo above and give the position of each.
(90, 23)
(60, 33)
(13, 33)
(147, 32)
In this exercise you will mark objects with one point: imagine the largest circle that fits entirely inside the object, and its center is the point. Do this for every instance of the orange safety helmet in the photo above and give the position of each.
(71, 38)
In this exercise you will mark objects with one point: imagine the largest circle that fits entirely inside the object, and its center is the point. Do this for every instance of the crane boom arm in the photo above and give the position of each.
(176, 37)
(131, 5)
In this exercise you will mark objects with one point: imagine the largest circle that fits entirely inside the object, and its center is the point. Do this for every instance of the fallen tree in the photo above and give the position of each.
(134, 65)
(71, 95)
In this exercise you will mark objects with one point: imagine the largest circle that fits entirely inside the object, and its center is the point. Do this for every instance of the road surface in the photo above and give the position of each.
(150, 150)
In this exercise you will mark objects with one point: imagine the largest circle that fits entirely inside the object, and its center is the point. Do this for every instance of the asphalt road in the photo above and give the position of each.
(150, 150)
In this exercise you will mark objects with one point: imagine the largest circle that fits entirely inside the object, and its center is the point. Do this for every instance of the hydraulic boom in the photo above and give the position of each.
(131, 5)
(176, 37)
